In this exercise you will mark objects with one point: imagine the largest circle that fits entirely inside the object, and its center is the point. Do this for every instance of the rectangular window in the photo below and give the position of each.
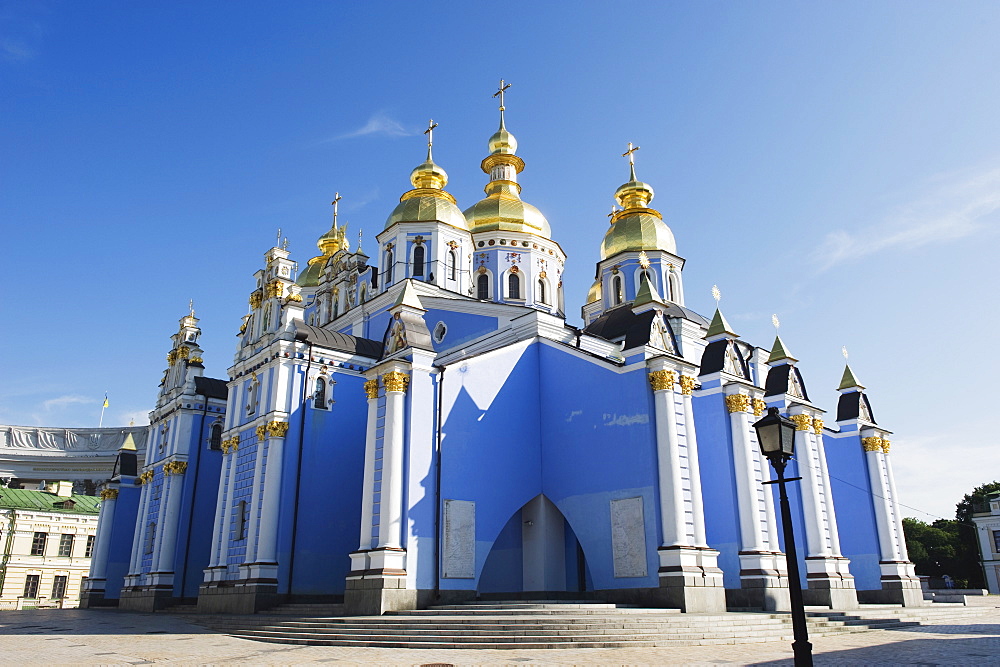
(150, 537)
(31, 586)
(38, 544)
(241, 520)
(996, 541)
(66, 545)
(89, 551)
(59, 587)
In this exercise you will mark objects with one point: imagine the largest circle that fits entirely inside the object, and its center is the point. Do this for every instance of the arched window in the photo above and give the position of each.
(672, 287)
(542, 297)
(513, 286)
(215, 436)
(619, 294)
(388, 268)
(251, 399)
(483, 287)
(452, 265)
(319, 396)
(418, 261)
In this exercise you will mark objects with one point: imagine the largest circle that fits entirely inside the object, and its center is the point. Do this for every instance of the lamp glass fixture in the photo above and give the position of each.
(776, 435)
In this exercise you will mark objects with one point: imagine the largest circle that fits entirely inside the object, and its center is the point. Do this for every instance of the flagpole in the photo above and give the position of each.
(103, 407)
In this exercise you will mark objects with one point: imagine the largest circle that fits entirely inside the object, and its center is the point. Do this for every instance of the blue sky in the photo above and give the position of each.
(835, 163)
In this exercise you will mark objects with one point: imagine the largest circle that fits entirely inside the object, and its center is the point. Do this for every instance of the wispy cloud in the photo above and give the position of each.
(63, 401)
(957, 206)
(380, 124)
(15, 51)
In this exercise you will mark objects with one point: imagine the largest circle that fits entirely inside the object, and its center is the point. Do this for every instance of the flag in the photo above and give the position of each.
(105, 400)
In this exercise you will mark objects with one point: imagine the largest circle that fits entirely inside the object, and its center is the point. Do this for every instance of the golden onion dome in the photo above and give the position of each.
(505, 212)
(502, 142)
(636, 227)
(595, 292)
(310, 277)
(427, 201)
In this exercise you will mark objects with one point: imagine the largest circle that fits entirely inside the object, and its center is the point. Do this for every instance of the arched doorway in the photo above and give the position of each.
(536, 553)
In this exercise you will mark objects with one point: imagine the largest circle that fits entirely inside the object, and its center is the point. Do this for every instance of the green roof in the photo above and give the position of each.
(719, 325)
(646, 294)
(43, 501)
(779, 351)
(848, 381)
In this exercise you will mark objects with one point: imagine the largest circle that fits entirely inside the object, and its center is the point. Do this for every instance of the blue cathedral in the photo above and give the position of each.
(422, 426)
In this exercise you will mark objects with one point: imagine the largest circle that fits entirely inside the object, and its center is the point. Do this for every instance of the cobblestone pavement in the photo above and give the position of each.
(103, 637)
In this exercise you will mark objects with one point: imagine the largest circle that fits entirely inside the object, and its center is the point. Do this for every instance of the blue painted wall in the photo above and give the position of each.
(122, 534)
(855, 512)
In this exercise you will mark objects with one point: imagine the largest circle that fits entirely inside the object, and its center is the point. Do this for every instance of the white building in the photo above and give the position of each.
(988, 530)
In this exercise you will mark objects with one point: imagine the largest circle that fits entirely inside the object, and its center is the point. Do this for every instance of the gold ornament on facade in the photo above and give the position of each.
(174, 467)
(172, 357)
(255, 299)
(371, 388)
(817, 425)
(687, 384)
(144, 478)
(109, 494)
(802, 422)
(183, 352)
(261, 432)
(758, 406)
(277, 429)
(196, 360)
(661, 380)
(295, 297)
(872, 444)
(395, 381)
(885, 446)
(273, 289)
(738, 403)
(231, 445)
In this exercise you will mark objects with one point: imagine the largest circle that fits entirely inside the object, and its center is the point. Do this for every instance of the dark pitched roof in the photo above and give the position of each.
(211, 387)
(334, 340)
(779, 380)
(620, 320)
(849, 406)
(25, 499)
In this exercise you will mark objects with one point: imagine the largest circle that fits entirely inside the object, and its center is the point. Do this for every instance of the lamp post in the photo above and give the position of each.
(776, 436)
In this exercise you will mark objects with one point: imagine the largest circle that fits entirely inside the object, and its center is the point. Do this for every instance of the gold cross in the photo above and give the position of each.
(336, 198)
(191, 306)
(500, 92)
(629, 152)
(614, 209)
(430, 132)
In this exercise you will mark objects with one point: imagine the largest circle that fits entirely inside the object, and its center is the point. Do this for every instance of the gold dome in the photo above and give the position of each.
(502, 142)
(635, 230)
(595, 292)
(310, 277)
(428, 175)
(427, 201)
(636, 227)
(503, 211)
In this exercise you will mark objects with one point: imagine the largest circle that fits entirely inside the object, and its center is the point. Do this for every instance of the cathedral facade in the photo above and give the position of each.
(421, 425)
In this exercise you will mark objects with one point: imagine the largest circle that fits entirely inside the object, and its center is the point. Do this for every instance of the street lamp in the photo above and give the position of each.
(776, 436)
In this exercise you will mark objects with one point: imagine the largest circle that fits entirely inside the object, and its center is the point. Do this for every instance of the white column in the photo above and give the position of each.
(391, 506)
(167, 525)
(812, 506)
(668, 460)
(900, 542)
(880, 493)
(267, 538)
(251, 552)
(368, 484)
(694, 466)
(752, 537)
(224, 506)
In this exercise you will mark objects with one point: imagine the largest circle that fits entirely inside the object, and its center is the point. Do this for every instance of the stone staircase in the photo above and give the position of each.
(557, 624)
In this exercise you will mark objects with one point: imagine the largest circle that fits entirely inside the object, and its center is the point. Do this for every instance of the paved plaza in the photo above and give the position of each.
(110, 637)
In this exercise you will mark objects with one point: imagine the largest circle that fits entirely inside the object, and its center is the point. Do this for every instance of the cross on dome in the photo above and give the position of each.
(430, 132)
(500, 91)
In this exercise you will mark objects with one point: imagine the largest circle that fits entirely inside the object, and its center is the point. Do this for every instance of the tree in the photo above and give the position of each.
(969, 504)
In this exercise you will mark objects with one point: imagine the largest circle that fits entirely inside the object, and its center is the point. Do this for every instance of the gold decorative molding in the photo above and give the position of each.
(144, 478)
(174, 467)
(687, 384)
(395, 381)
(262, 432)
(885, 446)
(172, 357)
(371, 388)
(758, 406)
(183, 352)
(661, 380)
(295, 297)
(817, 426)
(273, 289)
(231, 445)
(109, 494)
(872, 444)
(738, 403)
(256, 298)
(802, 422)
(196, 360)
(277, 429)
